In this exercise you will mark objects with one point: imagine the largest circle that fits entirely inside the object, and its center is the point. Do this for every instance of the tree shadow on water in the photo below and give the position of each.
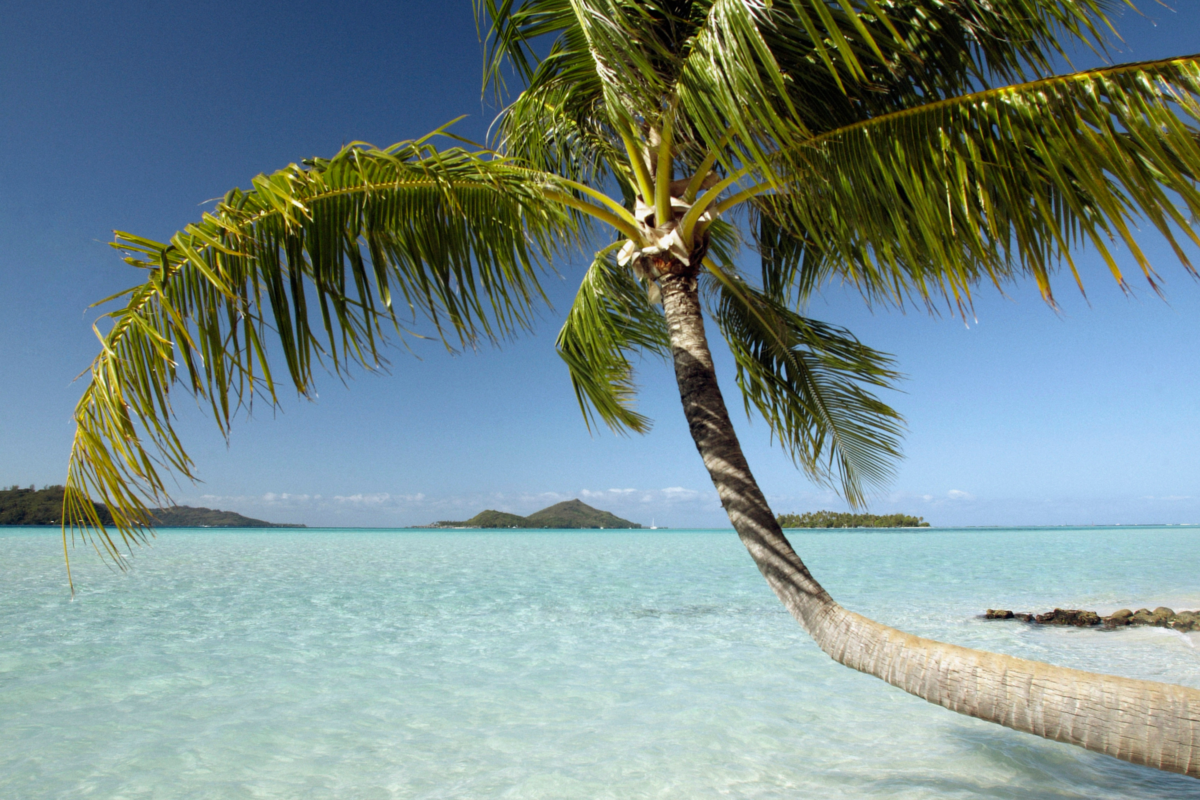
(1017, 766)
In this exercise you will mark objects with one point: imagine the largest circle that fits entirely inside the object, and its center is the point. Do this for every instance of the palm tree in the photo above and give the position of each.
(916, 149)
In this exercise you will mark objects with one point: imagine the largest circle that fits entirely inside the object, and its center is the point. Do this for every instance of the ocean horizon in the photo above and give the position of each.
(421, 663)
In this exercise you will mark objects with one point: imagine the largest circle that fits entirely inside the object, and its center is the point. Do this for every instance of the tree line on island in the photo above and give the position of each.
(44, 506)
(836, 519)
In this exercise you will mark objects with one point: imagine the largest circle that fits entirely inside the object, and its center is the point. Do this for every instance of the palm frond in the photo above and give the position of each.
(1002, 183)
(724, 241)
(609, 43)
(745, 79)
(949, 46)
(806, 378)
(562, 128)
(794, 266)
(772, 71)
(325, 262)
(610, 319)
(510, 31)
(730, 81)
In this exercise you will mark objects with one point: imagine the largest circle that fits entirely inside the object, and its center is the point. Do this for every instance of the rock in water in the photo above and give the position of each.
(1118, 619)
(1161, 617)
(1069, 616)
(1186, 621)
(1142, 616)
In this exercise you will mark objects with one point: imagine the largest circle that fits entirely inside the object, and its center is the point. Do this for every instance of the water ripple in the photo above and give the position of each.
(373, 664)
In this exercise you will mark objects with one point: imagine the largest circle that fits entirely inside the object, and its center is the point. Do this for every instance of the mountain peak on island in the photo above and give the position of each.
(577, 514)
(569, 514)
(44, 507)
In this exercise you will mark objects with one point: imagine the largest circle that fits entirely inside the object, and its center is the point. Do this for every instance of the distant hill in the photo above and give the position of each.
(576, 514)
(36, 506)
(836, 519)
(44, 507)
(189, 517)
(568, 514)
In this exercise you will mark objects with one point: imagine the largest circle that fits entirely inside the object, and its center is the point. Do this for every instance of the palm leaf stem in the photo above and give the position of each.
(281, 210)
(664, 169)
(697, 181)
(688, 223)
(595, 211)
(742, 197)
(617, 208)
(985, 94)
(640, 172)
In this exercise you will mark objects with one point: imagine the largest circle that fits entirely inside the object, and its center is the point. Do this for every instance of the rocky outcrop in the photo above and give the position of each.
(1068, 616)
(1161, 617)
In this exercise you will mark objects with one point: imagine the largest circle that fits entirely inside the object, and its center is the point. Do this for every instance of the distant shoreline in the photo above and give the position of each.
(659, 529)
(45, 507)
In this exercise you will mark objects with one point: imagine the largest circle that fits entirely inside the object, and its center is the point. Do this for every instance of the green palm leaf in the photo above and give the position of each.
(329, 259)
(610, 319)
(806, 379)
(760, 69)
(1002, 183)
(558, 129)
(794, 266)
(619, 64)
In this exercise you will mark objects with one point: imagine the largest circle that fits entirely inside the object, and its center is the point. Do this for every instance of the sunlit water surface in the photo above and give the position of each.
(417, 664)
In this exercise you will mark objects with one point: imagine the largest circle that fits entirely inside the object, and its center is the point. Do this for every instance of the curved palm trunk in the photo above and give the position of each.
(1149, 723)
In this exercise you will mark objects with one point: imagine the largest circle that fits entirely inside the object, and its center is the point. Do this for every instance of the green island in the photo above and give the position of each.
(568, 514)
(44, 507)
(838, 519)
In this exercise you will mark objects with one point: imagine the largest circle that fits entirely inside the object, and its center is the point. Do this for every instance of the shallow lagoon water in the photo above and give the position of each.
(418, 664)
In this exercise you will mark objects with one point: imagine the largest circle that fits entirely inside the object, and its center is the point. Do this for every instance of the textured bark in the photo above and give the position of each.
(1144, 722)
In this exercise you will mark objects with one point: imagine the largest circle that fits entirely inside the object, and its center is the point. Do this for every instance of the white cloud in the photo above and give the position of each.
(284, 497)
(378, 498)
(671, 494)
(958, 494)
(607, 492)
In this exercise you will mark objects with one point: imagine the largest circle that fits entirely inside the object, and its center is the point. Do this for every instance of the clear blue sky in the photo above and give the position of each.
(122, 115)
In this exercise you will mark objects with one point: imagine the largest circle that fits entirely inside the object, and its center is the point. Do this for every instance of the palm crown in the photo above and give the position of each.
(913, 149)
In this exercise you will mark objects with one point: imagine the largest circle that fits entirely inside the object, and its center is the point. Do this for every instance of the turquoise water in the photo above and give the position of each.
(412, 664)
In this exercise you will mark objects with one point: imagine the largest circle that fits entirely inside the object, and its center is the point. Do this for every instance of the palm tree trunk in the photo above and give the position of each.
(1149, 723)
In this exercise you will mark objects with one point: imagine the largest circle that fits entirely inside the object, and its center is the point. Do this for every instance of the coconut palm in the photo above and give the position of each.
(915, 149)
